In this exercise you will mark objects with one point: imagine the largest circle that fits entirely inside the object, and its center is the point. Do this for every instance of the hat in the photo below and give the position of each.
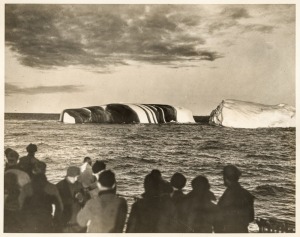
(98, 166)
(73, 171)
(178, 180)
(232, 173)
(107, 179)
(31, 148)
(39, 167)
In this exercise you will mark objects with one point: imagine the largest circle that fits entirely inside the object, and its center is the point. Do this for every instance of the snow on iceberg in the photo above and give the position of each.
(241, 114)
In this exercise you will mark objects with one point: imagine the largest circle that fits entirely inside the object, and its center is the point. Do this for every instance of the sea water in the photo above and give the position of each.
(266, 156)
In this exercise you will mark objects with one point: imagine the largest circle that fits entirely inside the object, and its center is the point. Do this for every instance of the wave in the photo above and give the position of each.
(130, 157)
(123, 166)
(132, 172)
(19, 134)
(136, 137)
(214, 145)
(271, 190)
(180, 153)
(258, 156)
(149, 160)
(206, 155)
(48, 159)
(197, 138)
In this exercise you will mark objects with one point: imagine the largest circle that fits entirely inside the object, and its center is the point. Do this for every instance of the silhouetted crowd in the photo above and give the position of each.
(86, 200)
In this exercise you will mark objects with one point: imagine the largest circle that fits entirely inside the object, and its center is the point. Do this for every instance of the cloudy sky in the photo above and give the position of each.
(69, 56)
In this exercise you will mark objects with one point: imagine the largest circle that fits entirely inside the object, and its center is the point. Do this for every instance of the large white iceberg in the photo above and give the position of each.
(127, 113)
(241, 114)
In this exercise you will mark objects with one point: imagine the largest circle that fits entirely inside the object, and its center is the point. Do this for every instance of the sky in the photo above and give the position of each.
(193, 56)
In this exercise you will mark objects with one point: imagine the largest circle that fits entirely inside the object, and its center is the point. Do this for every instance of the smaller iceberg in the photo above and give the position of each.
(242, 114)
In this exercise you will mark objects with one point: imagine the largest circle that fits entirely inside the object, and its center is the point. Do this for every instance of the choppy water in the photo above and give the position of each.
(266, 157)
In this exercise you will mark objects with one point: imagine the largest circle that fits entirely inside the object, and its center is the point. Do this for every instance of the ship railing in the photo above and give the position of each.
(274, 225)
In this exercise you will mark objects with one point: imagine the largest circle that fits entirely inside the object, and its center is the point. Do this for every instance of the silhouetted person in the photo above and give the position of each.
(27, 162)
(73, 198)
(36, 200)
(12, 158)
(90, 180)
(105, 213)
(86, 177)
(88, 160)
(197, 212)
(87, 165)
(7, 150)
(14, 181)
(164, 186)
(178, 182)
(154, 212)
(97, 167)
(236, 203)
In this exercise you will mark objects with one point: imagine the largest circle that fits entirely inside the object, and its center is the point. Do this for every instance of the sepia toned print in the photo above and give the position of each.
(149, 118)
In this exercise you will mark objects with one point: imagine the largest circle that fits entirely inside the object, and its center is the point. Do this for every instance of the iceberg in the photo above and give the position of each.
(127, 113)
(242, 114)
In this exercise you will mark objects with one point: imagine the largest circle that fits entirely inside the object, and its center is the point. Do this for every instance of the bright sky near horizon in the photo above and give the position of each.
(194, 56)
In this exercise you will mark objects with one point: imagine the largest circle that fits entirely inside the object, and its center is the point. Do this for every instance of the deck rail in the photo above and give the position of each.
(274, 225)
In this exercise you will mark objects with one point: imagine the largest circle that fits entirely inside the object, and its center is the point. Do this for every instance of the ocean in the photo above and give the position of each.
(266, 156)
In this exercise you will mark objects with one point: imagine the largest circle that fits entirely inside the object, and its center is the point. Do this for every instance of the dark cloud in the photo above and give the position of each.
(13, 89)
(229, 18)
(259, 27)
(220, 26)
(46, 36)
(230, 21)
(236, 12)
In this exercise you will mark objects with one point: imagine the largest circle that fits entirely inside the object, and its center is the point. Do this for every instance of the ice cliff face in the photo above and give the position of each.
(241, 114)
(127, 113)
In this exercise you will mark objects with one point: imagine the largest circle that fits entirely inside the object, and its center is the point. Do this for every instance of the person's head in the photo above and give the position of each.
(154, 183)
(31, 148)
(107, 180)
(12, 157)
(7, 150)
(98, 166)
(87, 160)
(39, 167)
(156, 173)
(72, 174)
(200, 184)
(178, 181)
(231, 174)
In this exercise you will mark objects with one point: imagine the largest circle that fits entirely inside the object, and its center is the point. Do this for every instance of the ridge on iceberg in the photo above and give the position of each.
(242, 114)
